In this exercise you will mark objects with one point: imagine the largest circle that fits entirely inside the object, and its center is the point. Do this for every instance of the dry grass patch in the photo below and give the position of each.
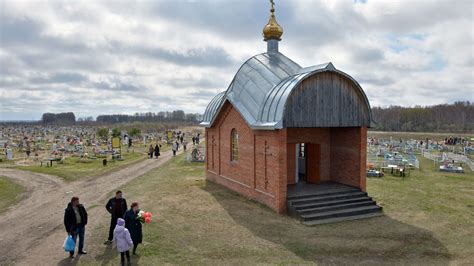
(197, 222)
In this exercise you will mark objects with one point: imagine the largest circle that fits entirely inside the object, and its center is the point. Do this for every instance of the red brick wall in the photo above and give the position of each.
(256, 174)
(348, 156)
(363, 158)
(291, 162)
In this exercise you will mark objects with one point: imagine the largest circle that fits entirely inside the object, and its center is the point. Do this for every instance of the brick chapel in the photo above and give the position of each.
(280, 127)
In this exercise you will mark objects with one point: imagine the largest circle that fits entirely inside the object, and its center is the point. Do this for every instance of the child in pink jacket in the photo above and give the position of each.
(122, 241)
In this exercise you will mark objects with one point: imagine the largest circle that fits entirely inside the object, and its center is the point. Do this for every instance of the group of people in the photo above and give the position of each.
(154, 151)
(125, 229)
(456, 140)
(196, 138)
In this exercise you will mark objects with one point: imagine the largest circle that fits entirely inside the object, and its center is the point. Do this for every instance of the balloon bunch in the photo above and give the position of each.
(144, 217)
(147, 216)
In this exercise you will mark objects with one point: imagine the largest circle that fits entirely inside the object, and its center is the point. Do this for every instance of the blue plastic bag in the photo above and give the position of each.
(69, 244)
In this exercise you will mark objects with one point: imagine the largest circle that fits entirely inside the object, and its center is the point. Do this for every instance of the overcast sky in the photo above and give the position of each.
(94, 57)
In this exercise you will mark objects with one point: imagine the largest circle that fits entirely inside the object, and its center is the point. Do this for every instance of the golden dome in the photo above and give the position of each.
(272, 30)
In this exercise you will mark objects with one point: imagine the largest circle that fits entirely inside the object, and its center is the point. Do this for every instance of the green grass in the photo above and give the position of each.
(10, 193)
(428, 220)
(73, 169)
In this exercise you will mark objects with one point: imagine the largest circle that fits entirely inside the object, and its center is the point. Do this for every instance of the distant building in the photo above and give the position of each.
(282, 128)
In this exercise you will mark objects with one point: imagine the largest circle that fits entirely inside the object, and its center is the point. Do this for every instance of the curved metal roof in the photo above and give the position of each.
(261, 87)
(212, 108)
(272, 110)
(251, 83)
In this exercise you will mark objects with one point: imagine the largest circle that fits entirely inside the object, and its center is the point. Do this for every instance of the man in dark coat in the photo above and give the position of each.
(116, 206)
(75, 220)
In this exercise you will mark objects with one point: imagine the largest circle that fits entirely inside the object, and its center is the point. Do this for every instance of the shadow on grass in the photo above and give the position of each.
(376, 240)
(110, 255)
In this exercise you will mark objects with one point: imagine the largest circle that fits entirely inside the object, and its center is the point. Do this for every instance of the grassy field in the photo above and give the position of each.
(428, 220)
(73, 169)
(416, 135)
(10, 193)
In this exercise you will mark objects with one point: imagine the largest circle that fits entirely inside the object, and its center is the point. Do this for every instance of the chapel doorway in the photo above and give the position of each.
(308, 160)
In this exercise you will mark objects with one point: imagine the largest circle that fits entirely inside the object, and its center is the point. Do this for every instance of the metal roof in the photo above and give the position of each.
(255, 78)
(212, 108)
(261, 87)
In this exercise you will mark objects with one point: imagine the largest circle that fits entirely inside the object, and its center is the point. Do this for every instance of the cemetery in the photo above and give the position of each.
(75, 152)
(401, 156)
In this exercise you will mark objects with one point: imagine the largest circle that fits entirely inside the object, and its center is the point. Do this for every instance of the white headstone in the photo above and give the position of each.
(9, 154)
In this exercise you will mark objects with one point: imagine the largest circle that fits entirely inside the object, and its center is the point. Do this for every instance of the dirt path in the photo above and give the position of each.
(32, 232)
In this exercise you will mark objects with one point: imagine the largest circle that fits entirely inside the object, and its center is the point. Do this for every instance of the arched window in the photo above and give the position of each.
(234, 145)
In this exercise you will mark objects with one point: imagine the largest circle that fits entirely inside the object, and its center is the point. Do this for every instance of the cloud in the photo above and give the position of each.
(207, 56)
(96, 57)
(59, 77)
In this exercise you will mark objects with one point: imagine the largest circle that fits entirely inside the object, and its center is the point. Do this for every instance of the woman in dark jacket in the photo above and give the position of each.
(157, 151)
(134, 226)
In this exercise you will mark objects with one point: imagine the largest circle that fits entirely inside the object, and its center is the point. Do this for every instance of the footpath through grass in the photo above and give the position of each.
(10, 193)
(73, 168)
(428, 220)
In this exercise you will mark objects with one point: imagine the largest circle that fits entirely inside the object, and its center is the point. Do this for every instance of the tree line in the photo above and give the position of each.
(457, 117)
(165, 116)
(173, 116)
(59, 118)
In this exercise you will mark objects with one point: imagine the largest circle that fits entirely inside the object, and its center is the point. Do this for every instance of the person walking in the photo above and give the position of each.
(122, 241)
(185, 144)
(150, 151)
(157, 151)
(116, 206)
(134, 225)
(175, 148)
(75, 221)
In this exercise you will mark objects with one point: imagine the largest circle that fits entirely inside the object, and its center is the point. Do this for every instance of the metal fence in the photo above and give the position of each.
(437, 158)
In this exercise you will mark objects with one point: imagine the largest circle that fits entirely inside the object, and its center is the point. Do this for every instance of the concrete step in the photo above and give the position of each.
(336, 207)
(332, 202)
(342, 219)
(318, 199)
(323, 193)
(341, 213)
